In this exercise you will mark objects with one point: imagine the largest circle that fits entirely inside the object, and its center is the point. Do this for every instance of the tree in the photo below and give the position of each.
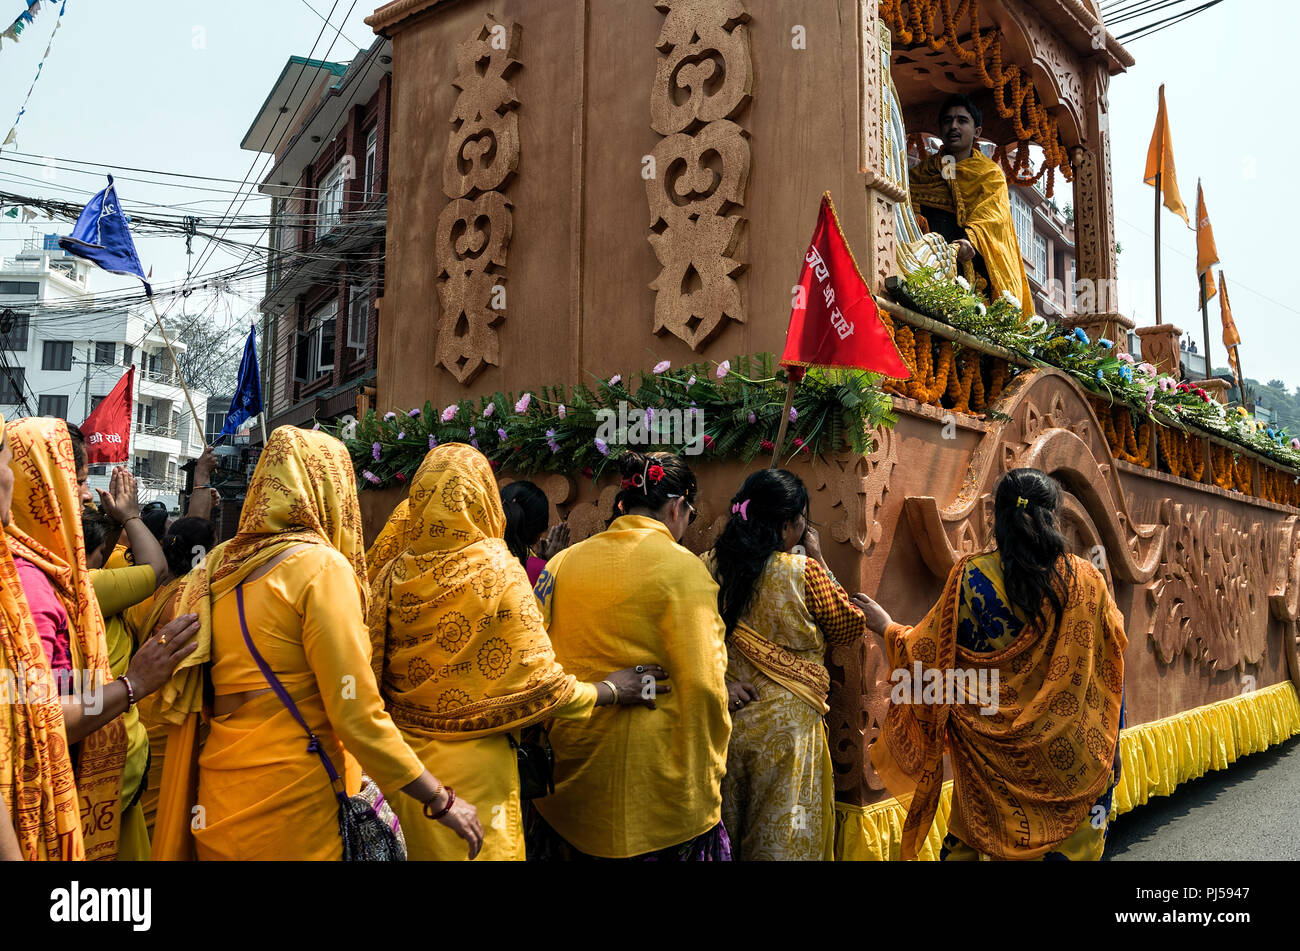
(1277, 385)
(210, 361)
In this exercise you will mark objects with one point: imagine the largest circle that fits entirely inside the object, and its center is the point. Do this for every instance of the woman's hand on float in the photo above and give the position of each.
(877, 618)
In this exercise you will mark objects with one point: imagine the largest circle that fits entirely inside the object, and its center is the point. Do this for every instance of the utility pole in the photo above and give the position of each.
(90, 345)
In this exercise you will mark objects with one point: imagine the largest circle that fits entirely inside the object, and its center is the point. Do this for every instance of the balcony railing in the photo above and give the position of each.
(161, 376)
(158, 429)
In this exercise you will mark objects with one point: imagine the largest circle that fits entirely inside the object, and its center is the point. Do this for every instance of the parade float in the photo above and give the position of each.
(599, 206)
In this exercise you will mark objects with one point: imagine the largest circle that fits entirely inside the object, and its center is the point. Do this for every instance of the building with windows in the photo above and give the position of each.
(63, 364)
(328, 186)
(1046, 237)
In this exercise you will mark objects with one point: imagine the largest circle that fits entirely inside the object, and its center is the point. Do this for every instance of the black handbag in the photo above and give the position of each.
(536, 761)
(367, 825)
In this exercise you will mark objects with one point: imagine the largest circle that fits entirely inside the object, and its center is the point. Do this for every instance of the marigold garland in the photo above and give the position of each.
(1014, 94)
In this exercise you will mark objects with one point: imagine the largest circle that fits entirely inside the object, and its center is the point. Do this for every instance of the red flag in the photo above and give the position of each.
(108, 427)
(834, 321)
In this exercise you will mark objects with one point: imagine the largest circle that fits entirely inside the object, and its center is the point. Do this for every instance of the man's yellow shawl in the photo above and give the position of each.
(977, 195)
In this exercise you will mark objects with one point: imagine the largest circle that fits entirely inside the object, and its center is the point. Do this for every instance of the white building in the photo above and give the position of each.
(64, 365)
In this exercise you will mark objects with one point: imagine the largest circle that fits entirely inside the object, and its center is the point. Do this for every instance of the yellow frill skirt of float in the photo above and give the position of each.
(1156, 757)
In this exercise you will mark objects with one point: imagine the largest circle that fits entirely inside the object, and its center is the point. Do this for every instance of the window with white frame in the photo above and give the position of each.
(315, 356)
(358, 317)
(1022, 216)
(1040, 258)
(371, 151)
(329, 201)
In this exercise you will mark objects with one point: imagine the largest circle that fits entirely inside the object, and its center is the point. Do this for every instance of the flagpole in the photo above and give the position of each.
(176, 363)
(1205, 321)
(785, 417)
(1159, 318)
(1241, 377)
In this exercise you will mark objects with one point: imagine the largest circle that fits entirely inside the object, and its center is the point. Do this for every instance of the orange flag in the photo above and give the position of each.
(1230, 336)
(1160, 160)
(1206, 253)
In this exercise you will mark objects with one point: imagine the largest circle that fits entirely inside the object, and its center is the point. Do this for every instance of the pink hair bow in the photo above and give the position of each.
(741, 509)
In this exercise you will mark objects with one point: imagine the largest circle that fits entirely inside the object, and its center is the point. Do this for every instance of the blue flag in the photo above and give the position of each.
(247, 401)
(102, 237)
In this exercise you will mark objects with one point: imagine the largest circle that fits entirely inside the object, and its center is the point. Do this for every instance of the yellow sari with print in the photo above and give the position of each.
(37, 784)
(46, 530)
(1028, 768)
(463, 658)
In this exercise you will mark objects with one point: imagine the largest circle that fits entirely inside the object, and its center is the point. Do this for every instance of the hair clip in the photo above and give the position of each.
(655, 473)
(1021, 502)
(633, 482)
(741, 509)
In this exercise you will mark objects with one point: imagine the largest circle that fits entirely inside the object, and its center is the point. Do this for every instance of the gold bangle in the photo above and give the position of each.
(612, 689)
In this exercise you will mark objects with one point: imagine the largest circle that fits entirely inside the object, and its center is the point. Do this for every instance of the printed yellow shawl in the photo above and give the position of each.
(46, 530)
(302, 492)
(390, 542)
(977, 195)
(1025, 777)
(36, 778)
(456, 636)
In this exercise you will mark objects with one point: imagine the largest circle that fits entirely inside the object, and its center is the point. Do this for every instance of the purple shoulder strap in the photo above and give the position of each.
(313, 744)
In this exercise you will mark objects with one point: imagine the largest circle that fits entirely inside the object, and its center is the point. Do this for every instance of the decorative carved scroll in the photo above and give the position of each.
(1064, 440)
(703, 80)
(1209, 598)
(473, 231)
(856, 485)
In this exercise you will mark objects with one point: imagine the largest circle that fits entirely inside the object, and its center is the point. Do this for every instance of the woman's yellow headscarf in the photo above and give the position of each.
(36, 779)
(390, 542)
(303, 492)
(46, 530)
(457, 638)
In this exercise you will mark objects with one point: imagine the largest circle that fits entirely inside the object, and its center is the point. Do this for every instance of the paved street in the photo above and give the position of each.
(1246, 812)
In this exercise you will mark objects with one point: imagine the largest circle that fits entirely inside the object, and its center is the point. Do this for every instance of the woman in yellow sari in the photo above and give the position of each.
(781, 610)
(38, 794)
(45, 537)
(297, 563)
(1018, 674)
(637, 786)
(460, 649)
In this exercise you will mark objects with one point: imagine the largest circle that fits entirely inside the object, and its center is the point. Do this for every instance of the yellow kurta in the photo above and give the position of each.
(977, 194)
(636, 781)
(116, 590)
(264, 795)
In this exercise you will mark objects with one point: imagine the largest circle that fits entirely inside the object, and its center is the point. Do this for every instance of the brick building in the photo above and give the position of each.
(327, 124)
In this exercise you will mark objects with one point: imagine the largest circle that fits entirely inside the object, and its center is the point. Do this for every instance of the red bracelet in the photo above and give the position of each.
(435, 816)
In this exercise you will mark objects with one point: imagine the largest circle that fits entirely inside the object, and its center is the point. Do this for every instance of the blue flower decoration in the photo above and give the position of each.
(1126, 373)
(1102, 341)
(1080, 335)
(1101, 376)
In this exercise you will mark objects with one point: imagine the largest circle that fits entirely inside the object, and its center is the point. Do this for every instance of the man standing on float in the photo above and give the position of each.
(963, 196)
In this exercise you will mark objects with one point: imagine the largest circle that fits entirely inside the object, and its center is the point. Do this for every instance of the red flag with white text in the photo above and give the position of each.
(108, 427)
(834, 321)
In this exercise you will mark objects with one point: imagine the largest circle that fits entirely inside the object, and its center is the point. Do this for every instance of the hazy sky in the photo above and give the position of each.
(174, 86)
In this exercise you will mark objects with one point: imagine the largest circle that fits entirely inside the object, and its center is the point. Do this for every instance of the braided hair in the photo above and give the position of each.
(1034, 567)
(184, 535)
(768, 501)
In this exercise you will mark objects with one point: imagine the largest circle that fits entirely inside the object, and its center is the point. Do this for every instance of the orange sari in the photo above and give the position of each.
(46, 530)
(36, 780)
(1025, 777)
